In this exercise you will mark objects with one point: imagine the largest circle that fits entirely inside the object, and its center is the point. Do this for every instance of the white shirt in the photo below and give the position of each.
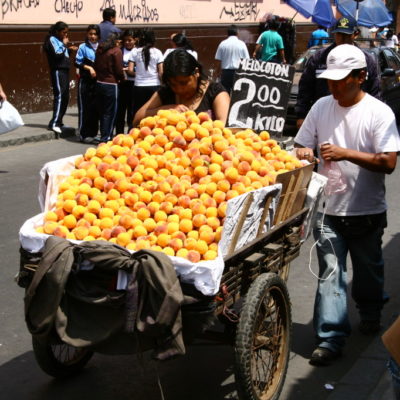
(147, 77)
(368, 126)
(126, 56)
(192, 52)
(393, 42)
(230, 51)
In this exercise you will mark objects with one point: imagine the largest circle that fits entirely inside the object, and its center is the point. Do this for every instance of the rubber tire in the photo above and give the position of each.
(264, 286)
(53, 366)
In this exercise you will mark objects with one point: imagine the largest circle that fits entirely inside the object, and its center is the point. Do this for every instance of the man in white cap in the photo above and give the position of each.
(355, 136)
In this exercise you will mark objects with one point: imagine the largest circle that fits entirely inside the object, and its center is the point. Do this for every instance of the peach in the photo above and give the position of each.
(116, 230)
(82, 199)
(149, 224)
(106, 222)
(163, 239)
(51, 216)
(78, 211)
(175, 244)
(80, 232)
(182, 253)
(69, 205)
(207, 236)
(123, 239)
(193, 256)
(210, 255)
(193, 235)
(95, 231)
(172, 227)
(160, 216)
(199, 220)
(139, 230)
(61, 231)
(143, 213)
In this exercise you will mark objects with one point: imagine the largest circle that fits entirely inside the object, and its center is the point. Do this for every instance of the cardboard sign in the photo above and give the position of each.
(260, 95)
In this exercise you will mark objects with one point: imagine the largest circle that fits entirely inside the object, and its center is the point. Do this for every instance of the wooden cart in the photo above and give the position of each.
(253, 301)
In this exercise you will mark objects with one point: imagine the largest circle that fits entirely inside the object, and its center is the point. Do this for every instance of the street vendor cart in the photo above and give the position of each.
(252, 302)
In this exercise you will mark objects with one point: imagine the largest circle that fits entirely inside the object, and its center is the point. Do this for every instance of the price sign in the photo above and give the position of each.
(260, 95)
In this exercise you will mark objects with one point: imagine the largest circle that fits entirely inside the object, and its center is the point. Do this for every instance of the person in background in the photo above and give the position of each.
(311, 89)
(85, 58)
(270, 43)
(228, 55)
(146, 65)
(391, 40)
(180, 41)
(109, 72)
(57, 48)
(3, 96)
(355, 133)
(318, 37)
(126, 87)
(107, 26)
(186, 87)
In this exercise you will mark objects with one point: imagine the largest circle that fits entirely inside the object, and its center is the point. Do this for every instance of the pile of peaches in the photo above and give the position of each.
(165, 185)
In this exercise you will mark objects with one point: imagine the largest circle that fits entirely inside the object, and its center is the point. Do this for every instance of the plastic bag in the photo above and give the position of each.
(9, 118)
(336, 181)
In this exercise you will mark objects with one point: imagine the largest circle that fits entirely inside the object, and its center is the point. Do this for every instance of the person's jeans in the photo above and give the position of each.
(107, 101)
(395, 372)
(361, 236)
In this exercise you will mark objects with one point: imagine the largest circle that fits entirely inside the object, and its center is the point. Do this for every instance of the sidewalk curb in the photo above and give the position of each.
(50, 135)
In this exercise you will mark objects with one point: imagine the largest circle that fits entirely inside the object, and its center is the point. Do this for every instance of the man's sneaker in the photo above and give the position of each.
(57, 129)
(322, 356)
(369, 327)
(88, 140)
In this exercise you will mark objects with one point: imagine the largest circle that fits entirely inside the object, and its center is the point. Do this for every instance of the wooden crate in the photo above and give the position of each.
(294, 191)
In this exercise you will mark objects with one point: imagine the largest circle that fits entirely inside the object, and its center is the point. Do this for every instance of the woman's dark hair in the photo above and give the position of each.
(109, 43)
(181, 63)
(389, 34)
(182, 41)
(94, 27)
(54, 30)
(147, 40)
(129, 32)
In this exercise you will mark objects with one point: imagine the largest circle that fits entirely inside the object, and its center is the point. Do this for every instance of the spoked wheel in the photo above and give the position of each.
(263, 339)
(60, 360)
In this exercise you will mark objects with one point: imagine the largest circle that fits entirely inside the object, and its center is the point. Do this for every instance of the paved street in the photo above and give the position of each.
(206, 371)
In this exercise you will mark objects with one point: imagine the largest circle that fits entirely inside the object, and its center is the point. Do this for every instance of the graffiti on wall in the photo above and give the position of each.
(129, 11)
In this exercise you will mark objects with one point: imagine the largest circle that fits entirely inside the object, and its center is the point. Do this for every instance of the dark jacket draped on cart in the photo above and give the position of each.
(84, 310)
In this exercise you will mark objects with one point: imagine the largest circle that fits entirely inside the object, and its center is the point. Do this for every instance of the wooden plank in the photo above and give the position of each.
(264, 215)
(292, 196)
(239, 225)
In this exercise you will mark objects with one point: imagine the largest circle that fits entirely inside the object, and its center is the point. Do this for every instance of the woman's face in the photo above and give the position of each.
(92, 36)
(129, 42)
(184, 86)
(62, 34)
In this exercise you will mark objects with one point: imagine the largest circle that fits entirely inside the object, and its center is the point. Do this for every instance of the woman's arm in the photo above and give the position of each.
(3, 96)
(221, 106)
(153, 105)
(131, 68)
(160, 69)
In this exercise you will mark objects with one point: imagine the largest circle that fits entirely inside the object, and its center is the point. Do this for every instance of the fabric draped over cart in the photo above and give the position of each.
(85, 310)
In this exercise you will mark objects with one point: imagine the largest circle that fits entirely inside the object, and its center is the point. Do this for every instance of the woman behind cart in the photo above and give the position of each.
(109, 71)
(186, 87)
(146, 65)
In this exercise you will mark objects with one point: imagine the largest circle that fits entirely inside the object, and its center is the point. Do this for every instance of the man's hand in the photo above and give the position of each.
(305, 153)
(331, 152)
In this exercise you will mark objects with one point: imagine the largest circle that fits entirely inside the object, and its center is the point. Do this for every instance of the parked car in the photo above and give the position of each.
(388, 69)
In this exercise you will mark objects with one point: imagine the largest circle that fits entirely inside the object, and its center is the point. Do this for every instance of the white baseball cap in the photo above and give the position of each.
(342, 60)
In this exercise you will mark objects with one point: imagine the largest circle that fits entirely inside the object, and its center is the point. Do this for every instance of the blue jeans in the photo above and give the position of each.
(395, 372)
(361, 236)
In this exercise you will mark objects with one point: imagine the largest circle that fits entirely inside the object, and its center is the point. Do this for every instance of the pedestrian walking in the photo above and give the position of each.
(85, 58)
(186, 87)
(311, 88)
(147, 66)
(391, 40)
(318, 37)
(126, 87)
(107, 26)
(180, 41)
(355, 135)
(109, 71)
(228, 55)
(57, 48)
(270, 43)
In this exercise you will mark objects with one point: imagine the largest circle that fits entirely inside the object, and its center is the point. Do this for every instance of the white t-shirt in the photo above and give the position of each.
(127, 55)
(368, 126)
(192, 52)
(230, 51)
(147, 77)
(392, 43)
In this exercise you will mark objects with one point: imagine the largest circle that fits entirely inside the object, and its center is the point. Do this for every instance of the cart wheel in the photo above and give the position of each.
(263, 339)
(60, 360)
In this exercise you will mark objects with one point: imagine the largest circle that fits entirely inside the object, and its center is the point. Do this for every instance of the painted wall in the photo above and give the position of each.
(142, 11)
